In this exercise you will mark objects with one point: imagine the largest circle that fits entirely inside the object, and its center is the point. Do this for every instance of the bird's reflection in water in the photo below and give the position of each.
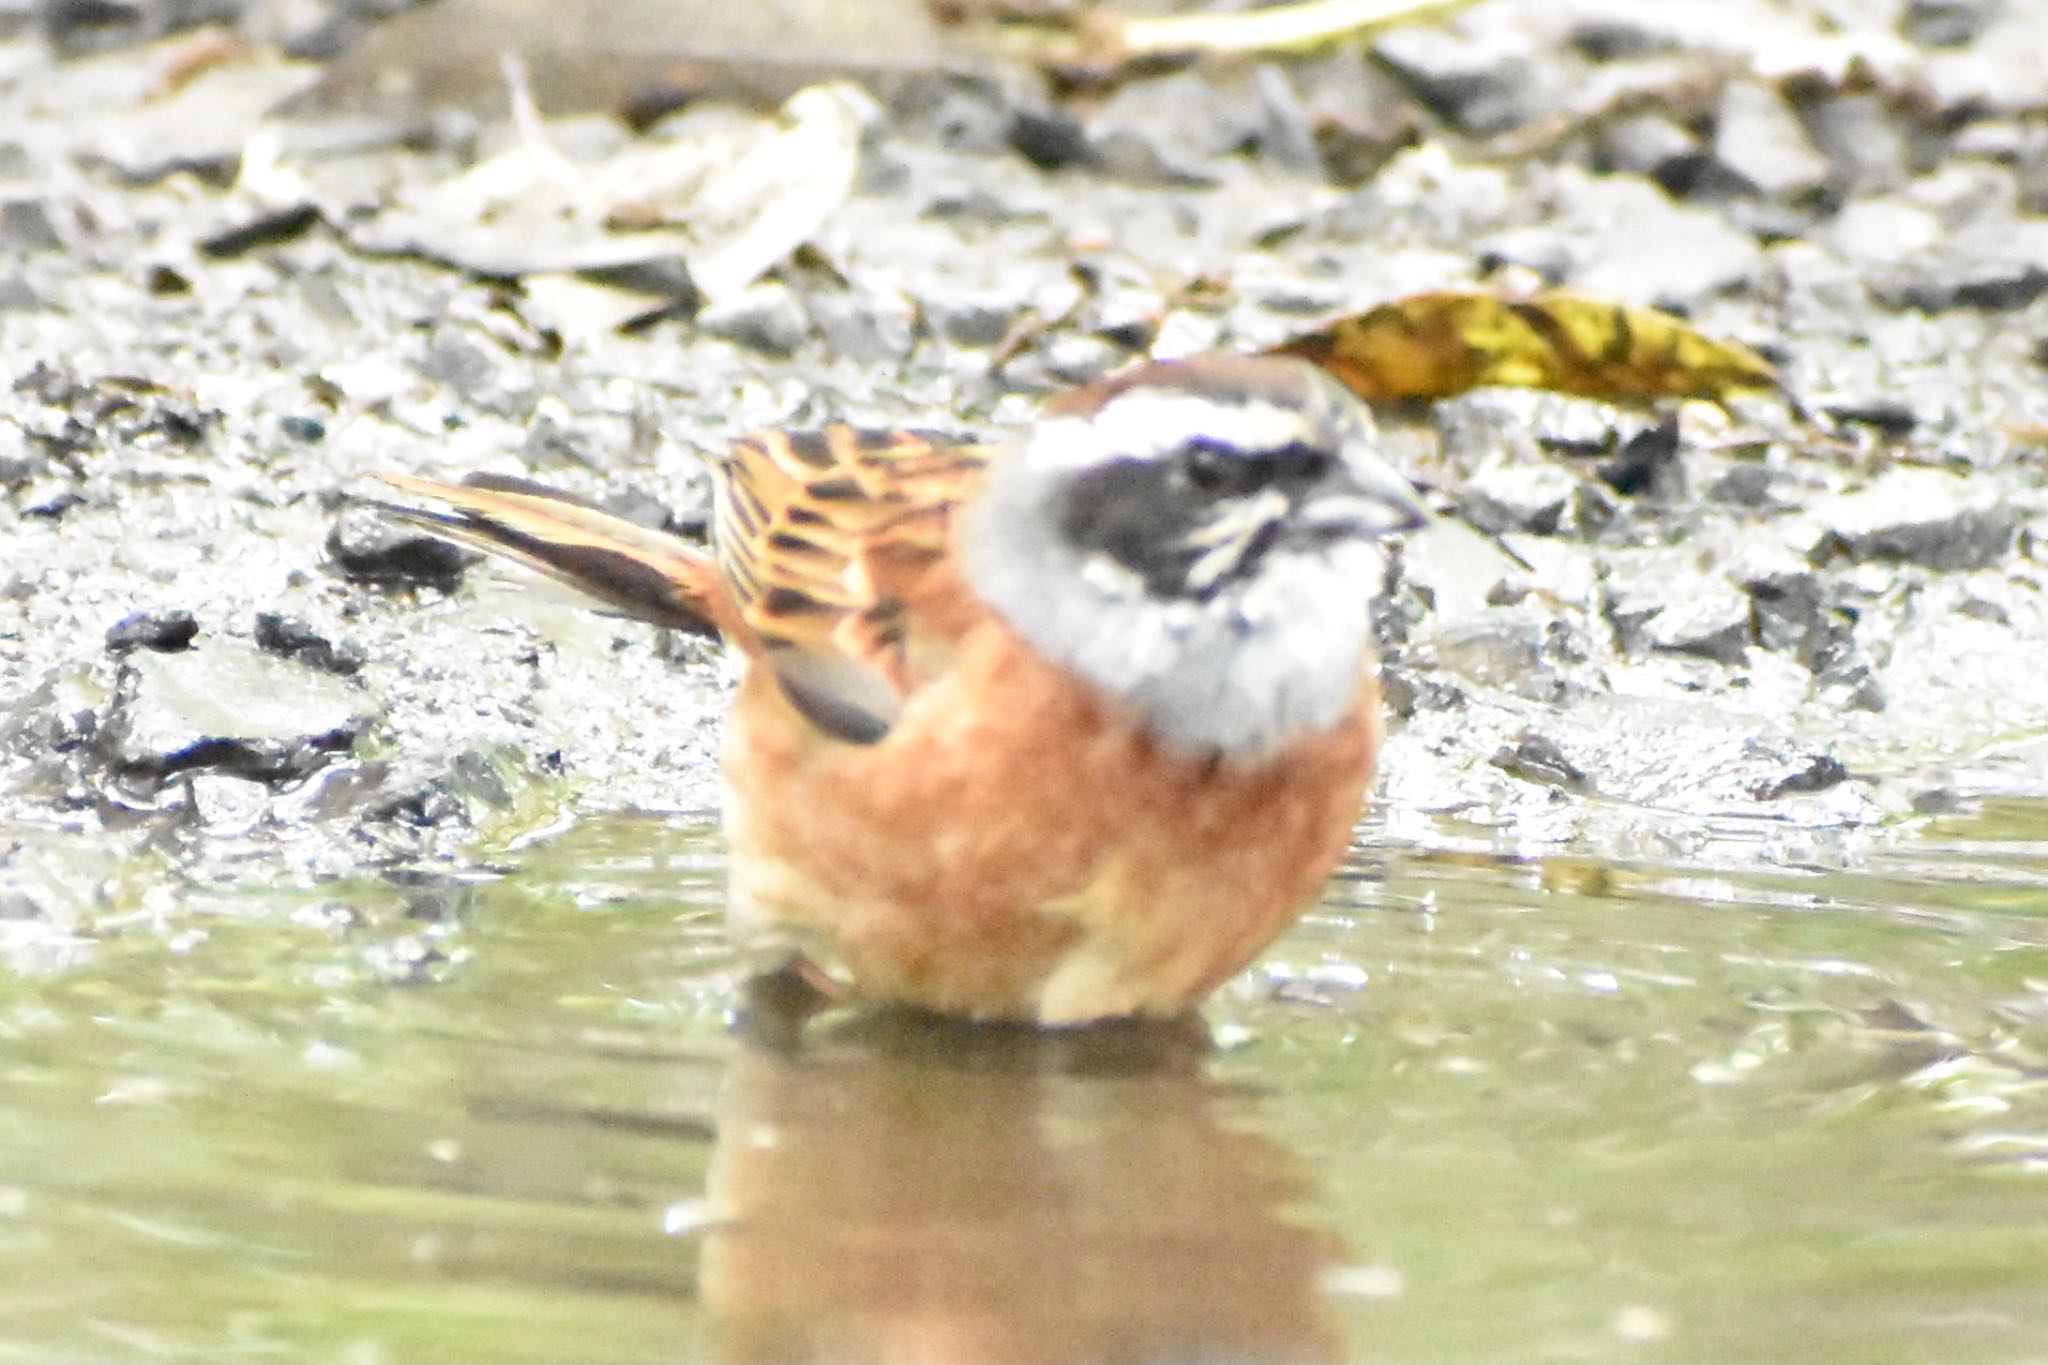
(902, 1189)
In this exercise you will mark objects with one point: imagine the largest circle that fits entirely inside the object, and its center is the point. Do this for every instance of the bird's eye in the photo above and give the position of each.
(1210, 466)
(1216, 467)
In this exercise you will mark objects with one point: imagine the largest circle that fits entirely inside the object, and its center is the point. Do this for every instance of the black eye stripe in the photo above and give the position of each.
(1214, 466)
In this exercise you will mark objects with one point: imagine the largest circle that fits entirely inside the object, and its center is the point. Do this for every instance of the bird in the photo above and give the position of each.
(1052, 729)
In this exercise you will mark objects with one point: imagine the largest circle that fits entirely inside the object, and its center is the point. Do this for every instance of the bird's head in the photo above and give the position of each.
(1200, 539)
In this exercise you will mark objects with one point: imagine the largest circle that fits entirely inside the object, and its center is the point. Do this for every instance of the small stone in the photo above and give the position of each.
(1794, 612)
(227, 803)
(1821, 772)
(482, 377)
(1537, 758)
(1862, 140)
(25, 227)
(1665, 600)
(1647, 463)
(1651, 144)
(1882, 229)
(288, 637)
(1759, 140)
(1540, 499)
(1948, 23)
(767, 317)
(1888, 416)
(863, 328)
(163, 631)
(1918, 517)
(370, 548)
(971, 320)
(309, 430)
(1167, 130)
(1975, 539)
(1997, 268)
(1508, 648)
(960, 111)
(1746, 485)
(165, 281)
(273, 227)
(17, 295)
(49, 498)
(1051, 139)
(1480, 84)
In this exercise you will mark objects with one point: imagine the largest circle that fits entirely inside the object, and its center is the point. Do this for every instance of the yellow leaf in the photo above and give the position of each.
(1439, 344)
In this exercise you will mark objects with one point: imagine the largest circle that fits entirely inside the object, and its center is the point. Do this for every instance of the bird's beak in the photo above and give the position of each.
(1369, 497)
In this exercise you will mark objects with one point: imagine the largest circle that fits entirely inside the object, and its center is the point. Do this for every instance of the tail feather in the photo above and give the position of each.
(645, 574)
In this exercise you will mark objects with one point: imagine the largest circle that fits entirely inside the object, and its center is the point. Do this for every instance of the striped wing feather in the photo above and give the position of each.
(823, 537)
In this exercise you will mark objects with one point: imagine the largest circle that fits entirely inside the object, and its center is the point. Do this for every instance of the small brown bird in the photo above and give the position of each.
(1055, 730)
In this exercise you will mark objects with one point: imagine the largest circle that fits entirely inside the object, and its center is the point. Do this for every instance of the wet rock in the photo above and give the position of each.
(1625, 239)
(1882, 229)
(766, 317)
(58, 715)
(1746, 485)
(868, 329)
(1512, 649)
(226, 803)
(1051, 139)
(272, 227)
(1948, 23)
(1668, 601)
(308, 430)
(1480, 83)
(228, 708)
(1167, 130)
(1538, 758)
(1404, 692)
(1652, 144)
(1795, 613)
(288, 637)
(957, 110)
(1863, 140)
(483, 377)
(50, 498)
(162, 631)
(972, 318)
(1918, 517)
(18, 296)
(1359, 114)
(1647, 463)
(1539, 499)
(1819, 773)
(1760, 142)
(370, 548)
(1996, 267)
(25, 228)
(1888, 416)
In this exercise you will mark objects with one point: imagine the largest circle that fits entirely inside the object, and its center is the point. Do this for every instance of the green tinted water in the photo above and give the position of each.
(1474, 1109)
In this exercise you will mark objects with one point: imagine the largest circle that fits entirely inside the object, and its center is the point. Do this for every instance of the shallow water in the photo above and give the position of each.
(1474, 1109)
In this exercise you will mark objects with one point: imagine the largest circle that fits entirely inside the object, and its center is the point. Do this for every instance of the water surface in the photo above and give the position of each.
(1476, 1108)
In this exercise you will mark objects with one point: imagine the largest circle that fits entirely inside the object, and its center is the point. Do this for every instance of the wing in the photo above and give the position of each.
(647, 574)
(824, 540)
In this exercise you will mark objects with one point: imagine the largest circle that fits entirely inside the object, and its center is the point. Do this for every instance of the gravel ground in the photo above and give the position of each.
(1773, 633)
